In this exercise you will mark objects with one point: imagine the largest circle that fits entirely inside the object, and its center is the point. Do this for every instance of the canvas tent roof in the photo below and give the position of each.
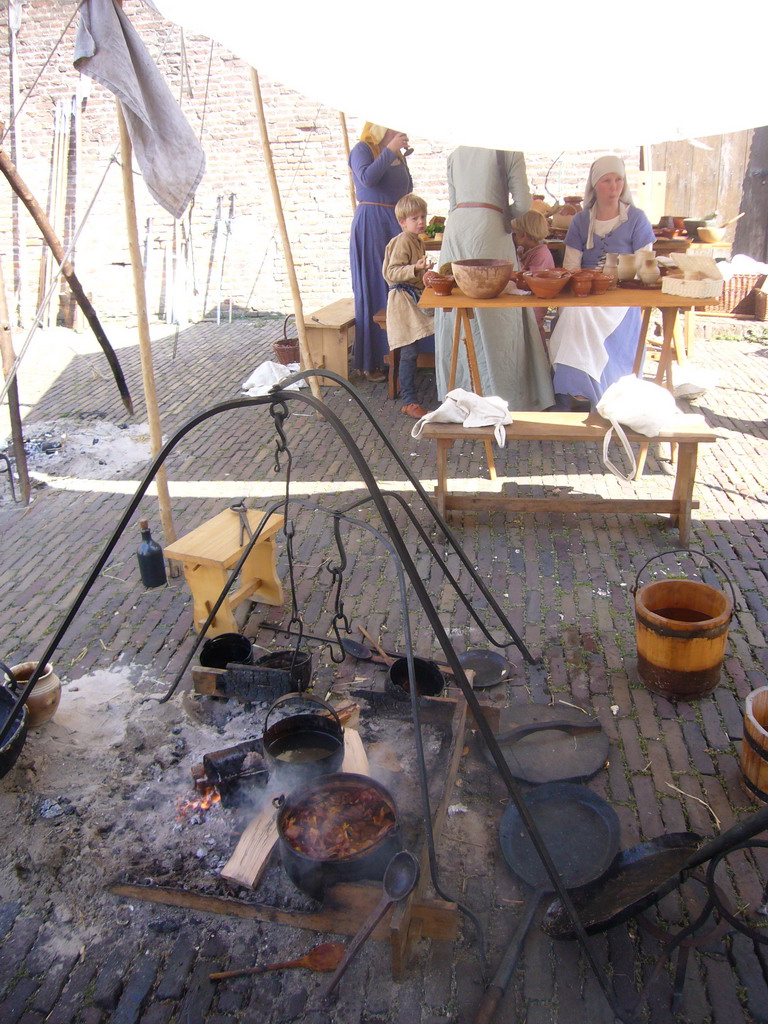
(534, 77)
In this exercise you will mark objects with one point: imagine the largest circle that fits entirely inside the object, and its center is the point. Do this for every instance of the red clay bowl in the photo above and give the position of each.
(601, 283)
(546, 284)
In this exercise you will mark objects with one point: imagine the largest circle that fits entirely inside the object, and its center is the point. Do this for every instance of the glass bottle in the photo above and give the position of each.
(151, 560)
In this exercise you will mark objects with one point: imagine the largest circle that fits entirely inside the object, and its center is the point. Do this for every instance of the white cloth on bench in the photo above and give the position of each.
(470, 410)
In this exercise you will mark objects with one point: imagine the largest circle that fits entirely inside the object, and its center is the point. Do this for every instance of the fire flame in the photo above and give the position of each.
(185, 808)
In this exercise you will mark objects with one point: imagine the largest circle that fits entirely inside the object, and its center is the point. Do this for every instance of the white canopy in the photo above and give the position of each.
(545, 77)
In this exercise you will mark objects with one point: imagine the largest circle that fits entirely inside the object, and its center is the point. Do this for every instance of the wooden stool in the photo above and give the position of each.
(208, 554)
(392, 358)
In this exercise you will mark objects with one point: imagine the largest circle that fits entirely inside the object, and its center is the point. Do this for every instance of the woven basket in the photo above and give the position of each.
(287, 349)
(738, 296)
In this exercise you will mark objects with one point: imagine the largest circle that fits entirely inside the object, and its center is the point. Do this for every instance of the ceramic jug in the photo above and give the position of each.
(627, 266)
(648, 271)
(611, 268)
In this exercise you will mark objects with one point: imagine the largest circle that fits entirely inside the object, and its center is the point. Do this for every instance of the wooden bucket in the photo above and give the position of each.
(682, 630)
(754, 747)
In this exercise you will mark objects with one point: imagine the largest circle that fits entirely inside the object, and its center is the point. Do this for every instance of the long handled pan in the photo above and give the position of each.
(351, 647)
(581, 833)
(642, 875)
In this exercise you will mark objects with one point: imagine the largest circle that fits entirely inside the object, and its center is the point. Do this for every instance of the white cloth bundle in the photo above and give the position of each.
(640, 405)
(470, 410)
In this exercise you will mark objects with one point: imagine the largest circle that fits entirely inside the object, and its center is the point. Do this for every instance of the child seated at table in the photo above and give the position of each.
(529, 232)
(404, 264)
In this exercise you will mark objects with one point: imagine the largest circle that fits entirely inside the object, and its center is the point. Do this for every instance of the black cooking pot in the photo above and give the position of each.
(312, 874)
(429, 679)
(291, 669)
(307, 741)
(226, 649)
(14, 741)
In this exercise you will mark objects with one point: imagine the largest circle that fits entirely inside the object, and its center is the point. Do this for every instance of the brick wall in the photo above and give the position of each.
(189, 270)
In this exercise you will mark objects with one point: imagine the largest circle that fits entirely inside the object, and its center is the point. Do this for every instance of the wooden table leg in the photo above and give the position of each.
(687, 456)
(259, 573)
(664, 372)
(441, 488)
(689, 331)
(477, 387)
(455, 350)
(637, 369)
(206, 582)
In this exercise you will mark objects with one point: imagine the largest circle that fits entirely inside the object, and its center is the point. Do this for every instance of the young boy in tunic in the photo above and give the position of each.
(404, 264)
(529, 232)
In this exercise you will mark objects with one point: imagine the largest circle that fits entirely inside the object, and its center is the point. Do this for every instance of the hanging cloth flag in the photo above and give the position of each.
(109, 50)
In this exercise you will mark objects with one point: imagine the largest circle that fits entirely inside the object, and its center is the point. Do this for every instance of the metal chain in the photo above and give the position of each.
(337, 579)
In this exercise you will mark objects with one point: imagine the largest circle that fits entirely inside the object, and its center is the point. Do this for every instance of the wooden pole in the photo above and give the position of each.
(145, 345)
(345, 136)
(21, 190)
(298, 307)
(8, 359)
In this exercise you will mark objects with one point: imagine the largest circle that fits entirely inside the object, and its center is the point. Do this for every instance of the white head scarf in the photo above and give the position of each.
(609, 164)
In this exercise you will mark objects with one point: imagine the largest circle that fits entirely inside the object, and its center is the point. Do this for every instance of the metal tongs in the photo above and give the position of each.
(245, 526)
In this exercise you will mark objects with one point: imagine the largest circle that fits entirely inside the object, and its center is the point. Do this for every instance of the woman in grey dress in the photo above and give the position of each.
(511, 358)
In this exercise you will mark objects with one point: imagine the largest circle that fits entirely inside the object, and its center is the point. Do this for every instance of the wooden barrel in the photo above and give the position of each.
(754, 747)
(682, 630)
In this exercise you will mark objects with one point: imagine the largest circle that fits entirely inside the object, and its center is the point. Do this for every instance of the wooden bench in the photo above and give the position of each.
(330, 334)
(208, 554)
(392, 358)
(688, 432)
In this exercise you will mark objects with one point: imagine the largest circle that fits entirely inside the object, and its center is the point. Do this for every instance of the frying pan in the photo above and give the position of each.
(581, 833)
(551, 744)
(644, 874)
(490, 667)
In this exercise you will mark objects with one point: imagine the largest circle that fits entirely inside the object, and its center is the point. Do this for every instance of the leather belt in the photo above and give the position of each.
(483, 206)
(366, 202)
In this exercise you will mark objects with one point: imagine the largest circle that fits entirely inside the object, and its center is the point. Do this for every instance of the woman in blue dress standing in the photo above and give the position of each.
(381, 177)
(591, 347)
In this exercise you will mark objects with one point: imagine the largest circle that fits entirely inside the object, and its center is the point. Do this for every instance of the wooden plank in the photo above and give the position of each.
(402, 932)
(571, 426)
(346, 907)
(217, 541)
(340, 313)
(557, 504)
(253, 850)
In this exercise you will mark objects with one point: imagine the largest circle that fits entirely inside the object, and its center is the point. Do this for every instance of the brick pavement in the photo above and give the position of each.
(565, 583)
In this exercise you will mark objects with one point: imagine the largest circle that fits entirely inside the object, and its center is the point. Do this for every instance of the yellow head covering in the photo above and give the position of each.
(372, 134)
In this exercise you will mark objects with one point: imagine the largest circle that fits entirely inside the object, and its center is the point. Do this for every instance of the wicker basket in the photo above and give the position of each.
(287, 349)
(738, 297)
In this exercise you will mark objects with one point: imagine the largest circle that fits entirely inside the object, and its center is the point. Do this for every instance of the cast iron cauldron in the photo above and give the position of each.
(307, 741)
(313, 873)
(225, 649)
(14, 741)
(429, 679)
(291, 669)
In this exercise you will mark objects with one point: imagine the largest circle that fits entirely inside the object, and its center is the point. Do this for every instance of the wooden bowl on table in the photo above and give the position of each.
(546, 284)
(482, 279)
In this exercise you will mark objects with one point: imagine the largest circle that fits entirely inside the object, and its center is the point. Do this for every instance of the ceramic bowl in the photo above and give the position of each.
(581, 284)
(601, 283)
(708, 233)
(441, 284)
(546, 284)
(482, 279)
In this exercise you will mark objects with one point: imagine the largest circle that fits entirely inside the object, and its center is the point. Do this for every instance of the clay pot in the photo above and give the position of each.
(546, 284)
(46, 693)
(482, 279)
(581, 284)
(441, 284)
(601, 283)
(627, 266)
(648, 271)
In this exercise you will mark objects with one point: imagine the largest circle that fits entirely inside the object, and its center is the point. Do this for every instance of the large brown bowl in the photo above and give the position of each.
(482, 279)
(546, 284)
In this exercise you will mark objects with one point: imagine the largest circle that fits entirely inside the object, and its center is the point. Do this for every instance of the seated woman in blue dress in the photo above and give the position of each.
(591, 347)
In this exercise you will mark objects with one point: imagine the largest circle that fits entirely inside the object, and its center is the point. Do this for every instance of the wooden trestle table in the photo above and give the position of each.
(645, 299)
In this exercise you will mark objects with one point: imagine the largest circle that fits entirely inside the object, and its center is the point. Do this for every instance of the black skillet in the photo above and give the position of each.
(490, 667)
(551, 744)
(581, 833)
(642, 875)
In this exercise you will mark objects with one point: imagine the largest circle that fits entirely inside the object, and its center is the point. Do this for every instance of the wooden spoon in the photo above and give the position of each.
(731, 221)
(382, 653)
(325, 957)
